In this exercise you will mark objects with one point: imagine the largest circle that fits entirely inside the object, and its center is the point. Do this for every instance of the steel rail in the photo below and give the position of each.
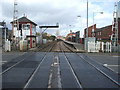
(99, 70)
(72, 69)
(34, 72)
(19, 61)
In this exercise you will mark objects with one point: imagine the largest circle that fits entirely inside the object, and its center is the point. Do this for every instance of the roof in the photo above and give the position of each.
(25, 19)
(103, 28)
(90, 26)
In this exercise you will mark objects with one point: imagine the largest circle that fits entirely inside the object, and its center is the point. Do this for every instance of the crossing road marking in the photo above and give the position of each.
(111, 65)
(2, 62)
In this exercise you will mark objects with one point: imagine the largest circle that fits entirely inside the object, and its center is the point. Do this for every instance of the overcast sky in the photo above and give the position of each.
(65, 12)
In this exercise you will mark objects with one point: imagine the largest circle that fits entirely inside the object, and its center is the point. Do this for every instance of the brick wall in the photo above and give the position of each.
(104, 33)
(89, 31)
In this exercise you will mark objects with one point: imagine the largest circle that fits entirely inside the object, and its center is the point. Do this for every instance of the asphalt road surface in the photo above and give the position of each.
(58, 69)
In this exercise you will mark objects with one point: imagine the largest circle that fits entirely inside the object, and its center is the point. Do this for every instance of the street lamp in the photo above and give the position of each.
(79, 16)
(81, 19)
(93, 22)
(86, 40)
(71, 27)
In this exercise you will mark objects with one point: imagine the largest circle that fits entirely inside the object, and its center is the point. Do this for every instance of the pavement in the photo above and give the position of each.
(109, 60)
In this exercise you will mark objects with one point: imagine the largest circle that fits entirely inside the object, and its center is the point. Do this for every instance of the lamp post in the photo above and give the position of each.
(93, 22)
(86, 41)
(79, 16)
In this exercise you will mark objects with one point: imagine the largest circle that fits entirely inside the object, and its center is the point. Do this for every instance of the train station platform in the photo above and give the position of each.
(79, 47)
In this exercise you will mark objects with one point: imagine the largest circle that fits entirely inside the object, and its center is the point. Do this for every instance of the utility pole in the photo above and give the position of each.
(79, 16)
(114, 37)
(93, 22)
(15, 18)
(5, 31)
(15, 24)
(86, 43)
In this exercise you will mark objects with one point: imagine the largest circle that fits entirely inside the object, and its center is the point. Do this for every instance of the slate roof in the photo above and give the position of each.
(100, 29)
(25, 19)
(103, 28)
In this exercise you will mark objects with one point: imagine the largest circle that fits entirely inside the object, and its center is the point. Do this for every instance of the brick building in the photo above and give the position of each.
(119, 30)
(90, 33)
(71, 37)
(104, 33)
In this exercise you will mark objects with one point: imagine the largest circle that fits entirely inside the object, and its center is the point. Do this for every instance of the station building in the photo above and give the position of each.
(26, 30)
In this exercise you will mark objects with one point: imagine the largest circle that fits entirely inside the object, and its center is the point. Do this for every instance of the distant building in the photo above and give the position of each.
(60, 38)
(73, 37)
(2, 35)
(25, 31)
(49, 35)
(119, 30)
(77, 38)
(104, 33)
(90, 31)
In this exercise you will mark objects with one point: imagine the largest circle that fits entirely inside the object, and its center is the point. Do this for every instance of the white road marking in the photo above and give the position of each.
(3, 61)
(111, 65)
(114, 65)
(116, 56)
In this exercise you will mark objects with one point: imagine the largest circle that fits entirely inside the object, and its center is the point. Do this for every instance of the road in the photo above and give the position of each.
(56, 66)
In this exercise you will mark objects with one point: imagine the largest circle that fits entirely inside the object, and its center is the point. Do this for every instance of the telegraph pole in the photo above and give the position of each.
(114, 36)
(15, 17)
(15, 24)
(87, 30)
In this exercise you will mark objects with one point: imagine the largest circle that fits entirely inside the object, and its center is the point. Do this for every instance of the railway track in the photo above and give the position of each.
(58, 69)
(36, 70)
(99, 69)
(27, 63)
(62, 47)
(20, 59)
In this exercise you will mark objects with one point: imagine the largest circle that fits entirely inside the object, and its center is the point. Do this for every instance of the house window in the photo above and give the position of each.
(20, 26)
(15, 25)
(26, 27)
(34, 28)
(100, 33)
